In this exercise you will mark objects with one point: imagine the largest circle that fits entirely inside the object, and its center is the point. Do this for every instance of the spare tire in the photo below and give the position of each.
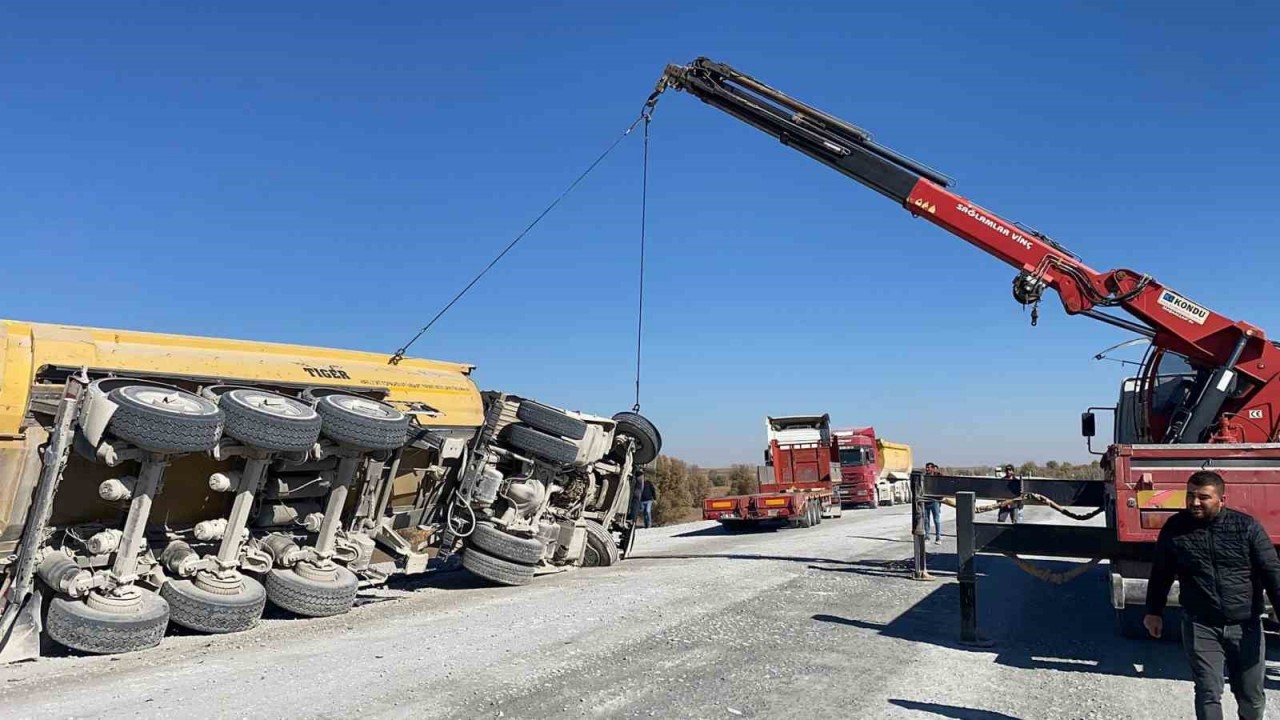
(164, 420)
(362, 423)
(495, 569)
(525, 551)
(542, 445)
(648, 439)
(550, 420)
(269, 421)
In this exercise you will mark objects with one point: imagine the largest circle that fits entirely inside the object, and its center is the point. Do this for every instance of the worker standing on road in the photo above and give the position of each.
(933, 509)
(1223, 561)
(648, 497)
(1012, 511)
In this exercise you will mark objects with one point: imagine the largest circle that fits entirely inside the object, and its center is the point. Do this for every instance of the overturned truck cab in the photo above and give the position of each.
(150, 479)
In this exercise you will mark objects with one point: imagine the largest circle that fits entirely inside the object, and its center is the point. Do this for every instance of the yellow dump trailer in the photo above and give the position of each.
(149, 479)
(894, 482)
(897, 456)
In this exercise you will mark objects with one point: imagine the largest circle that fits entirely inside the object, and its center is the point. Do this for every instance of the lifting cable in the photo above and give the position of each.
(644, 207)
(644, 117)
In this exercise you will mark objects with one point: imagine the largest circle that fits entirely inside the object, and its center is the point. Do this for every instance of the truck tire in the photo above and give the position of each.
(269, 421)
(805, 518)
(513, 548)
(75, 625)
(817, 512)
(495, 569)
(195, 608)
(601, 549)
(542, 445)
(648, 439)
(362, 423)
(163, 420)
(550, 420)
(288, 590)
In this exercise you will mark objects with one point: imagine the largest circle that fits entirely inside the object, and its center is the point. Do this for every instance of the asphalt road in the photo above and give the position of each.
(815, 623)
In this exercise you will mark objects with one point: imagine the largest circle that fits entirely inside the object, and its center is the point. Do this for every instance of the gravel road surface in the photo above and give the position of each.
(815, 623)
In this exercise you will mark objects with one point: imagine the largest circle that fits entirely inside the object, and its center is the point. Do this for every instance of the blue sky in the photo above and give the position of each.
(331, 174)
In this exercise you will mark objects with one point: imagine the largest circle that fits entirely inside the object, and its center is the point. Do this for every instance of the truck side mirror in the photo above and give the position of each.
(1088, 425)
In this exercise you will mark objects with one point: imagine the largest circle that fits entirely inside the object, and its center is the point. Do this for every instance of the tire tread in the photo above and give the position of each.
(550, 420)
(495, 569)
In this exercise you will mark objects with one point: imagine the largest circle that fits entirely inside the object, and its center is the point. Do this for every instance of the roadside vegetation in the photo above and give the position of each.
(1051, 469)
(682, 487)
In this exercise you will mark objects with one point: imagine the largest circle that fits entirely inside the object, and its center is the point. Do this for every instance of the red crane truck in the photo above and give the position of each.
(1207, 394)
(801, 455)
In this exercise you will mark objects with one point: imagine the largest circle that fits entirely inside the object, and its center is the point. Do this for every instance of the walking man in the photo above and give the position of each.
(1012, 511)
(933, 509)
(1223, 560)
(648, 497)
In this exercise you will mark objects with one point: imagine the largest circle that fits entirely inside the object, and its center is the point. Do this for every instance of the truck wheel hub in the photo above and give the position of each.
(231, 584)
(326, 572)
(121, 600)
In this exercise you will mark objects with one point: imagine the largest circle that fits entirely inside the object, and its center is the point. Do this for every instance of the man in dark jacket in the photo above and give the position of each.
(1013, 511)
(1223, 561)
(648, 498)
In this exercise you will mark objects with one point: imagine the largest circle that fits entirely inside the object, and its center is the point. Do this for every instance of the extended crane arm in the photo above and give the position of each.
(1170, 319)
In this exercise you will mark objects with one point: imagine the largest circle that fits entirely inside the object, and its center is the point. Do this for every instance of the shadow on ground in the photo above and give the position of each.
(907, 541)
(718, 529)
(1034, 625)
(951, 711)
(938, 564)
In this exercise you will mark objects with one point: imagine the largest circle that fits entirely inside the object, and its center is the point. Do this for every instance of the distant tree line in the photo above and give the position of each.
(682, 487)
(1051, 469)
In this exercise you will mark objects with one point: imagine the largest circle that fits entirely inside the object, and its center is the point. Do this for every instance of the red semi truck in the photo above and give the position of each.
(800, 491)
(873, 471)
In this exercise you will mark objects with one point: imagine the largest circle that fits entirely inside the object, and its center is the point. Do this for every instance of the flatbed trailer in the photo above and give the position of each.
(1143, 486)
(799, 488)
(801, 507)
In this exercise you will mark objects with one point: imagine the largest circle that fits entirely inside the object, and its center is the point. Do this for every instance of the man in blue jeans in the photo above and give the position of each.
(648, 497)
(1013, 511)
(933, 509)
(1223, 560)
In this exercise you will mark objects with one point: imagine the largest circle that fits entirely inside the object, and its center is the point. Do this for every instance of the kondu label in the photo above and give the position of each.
(1183, 308)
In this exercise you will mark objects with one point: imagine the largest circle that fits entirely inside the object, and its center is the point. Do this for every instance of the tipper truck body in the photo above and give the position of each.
(149, 479)
(872, 471)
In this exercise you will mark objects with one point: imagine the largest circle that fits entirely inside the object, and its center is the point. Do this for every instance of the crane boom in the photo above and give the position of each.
(1236, 364)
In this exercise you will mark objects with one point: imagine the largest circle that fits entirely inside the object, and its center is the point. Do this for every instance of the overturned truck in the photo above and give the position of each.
(149, 479)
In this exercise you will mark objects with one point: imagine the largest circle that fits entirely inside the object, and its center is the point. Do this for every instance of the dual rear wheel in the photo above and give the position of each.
(168, 421)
